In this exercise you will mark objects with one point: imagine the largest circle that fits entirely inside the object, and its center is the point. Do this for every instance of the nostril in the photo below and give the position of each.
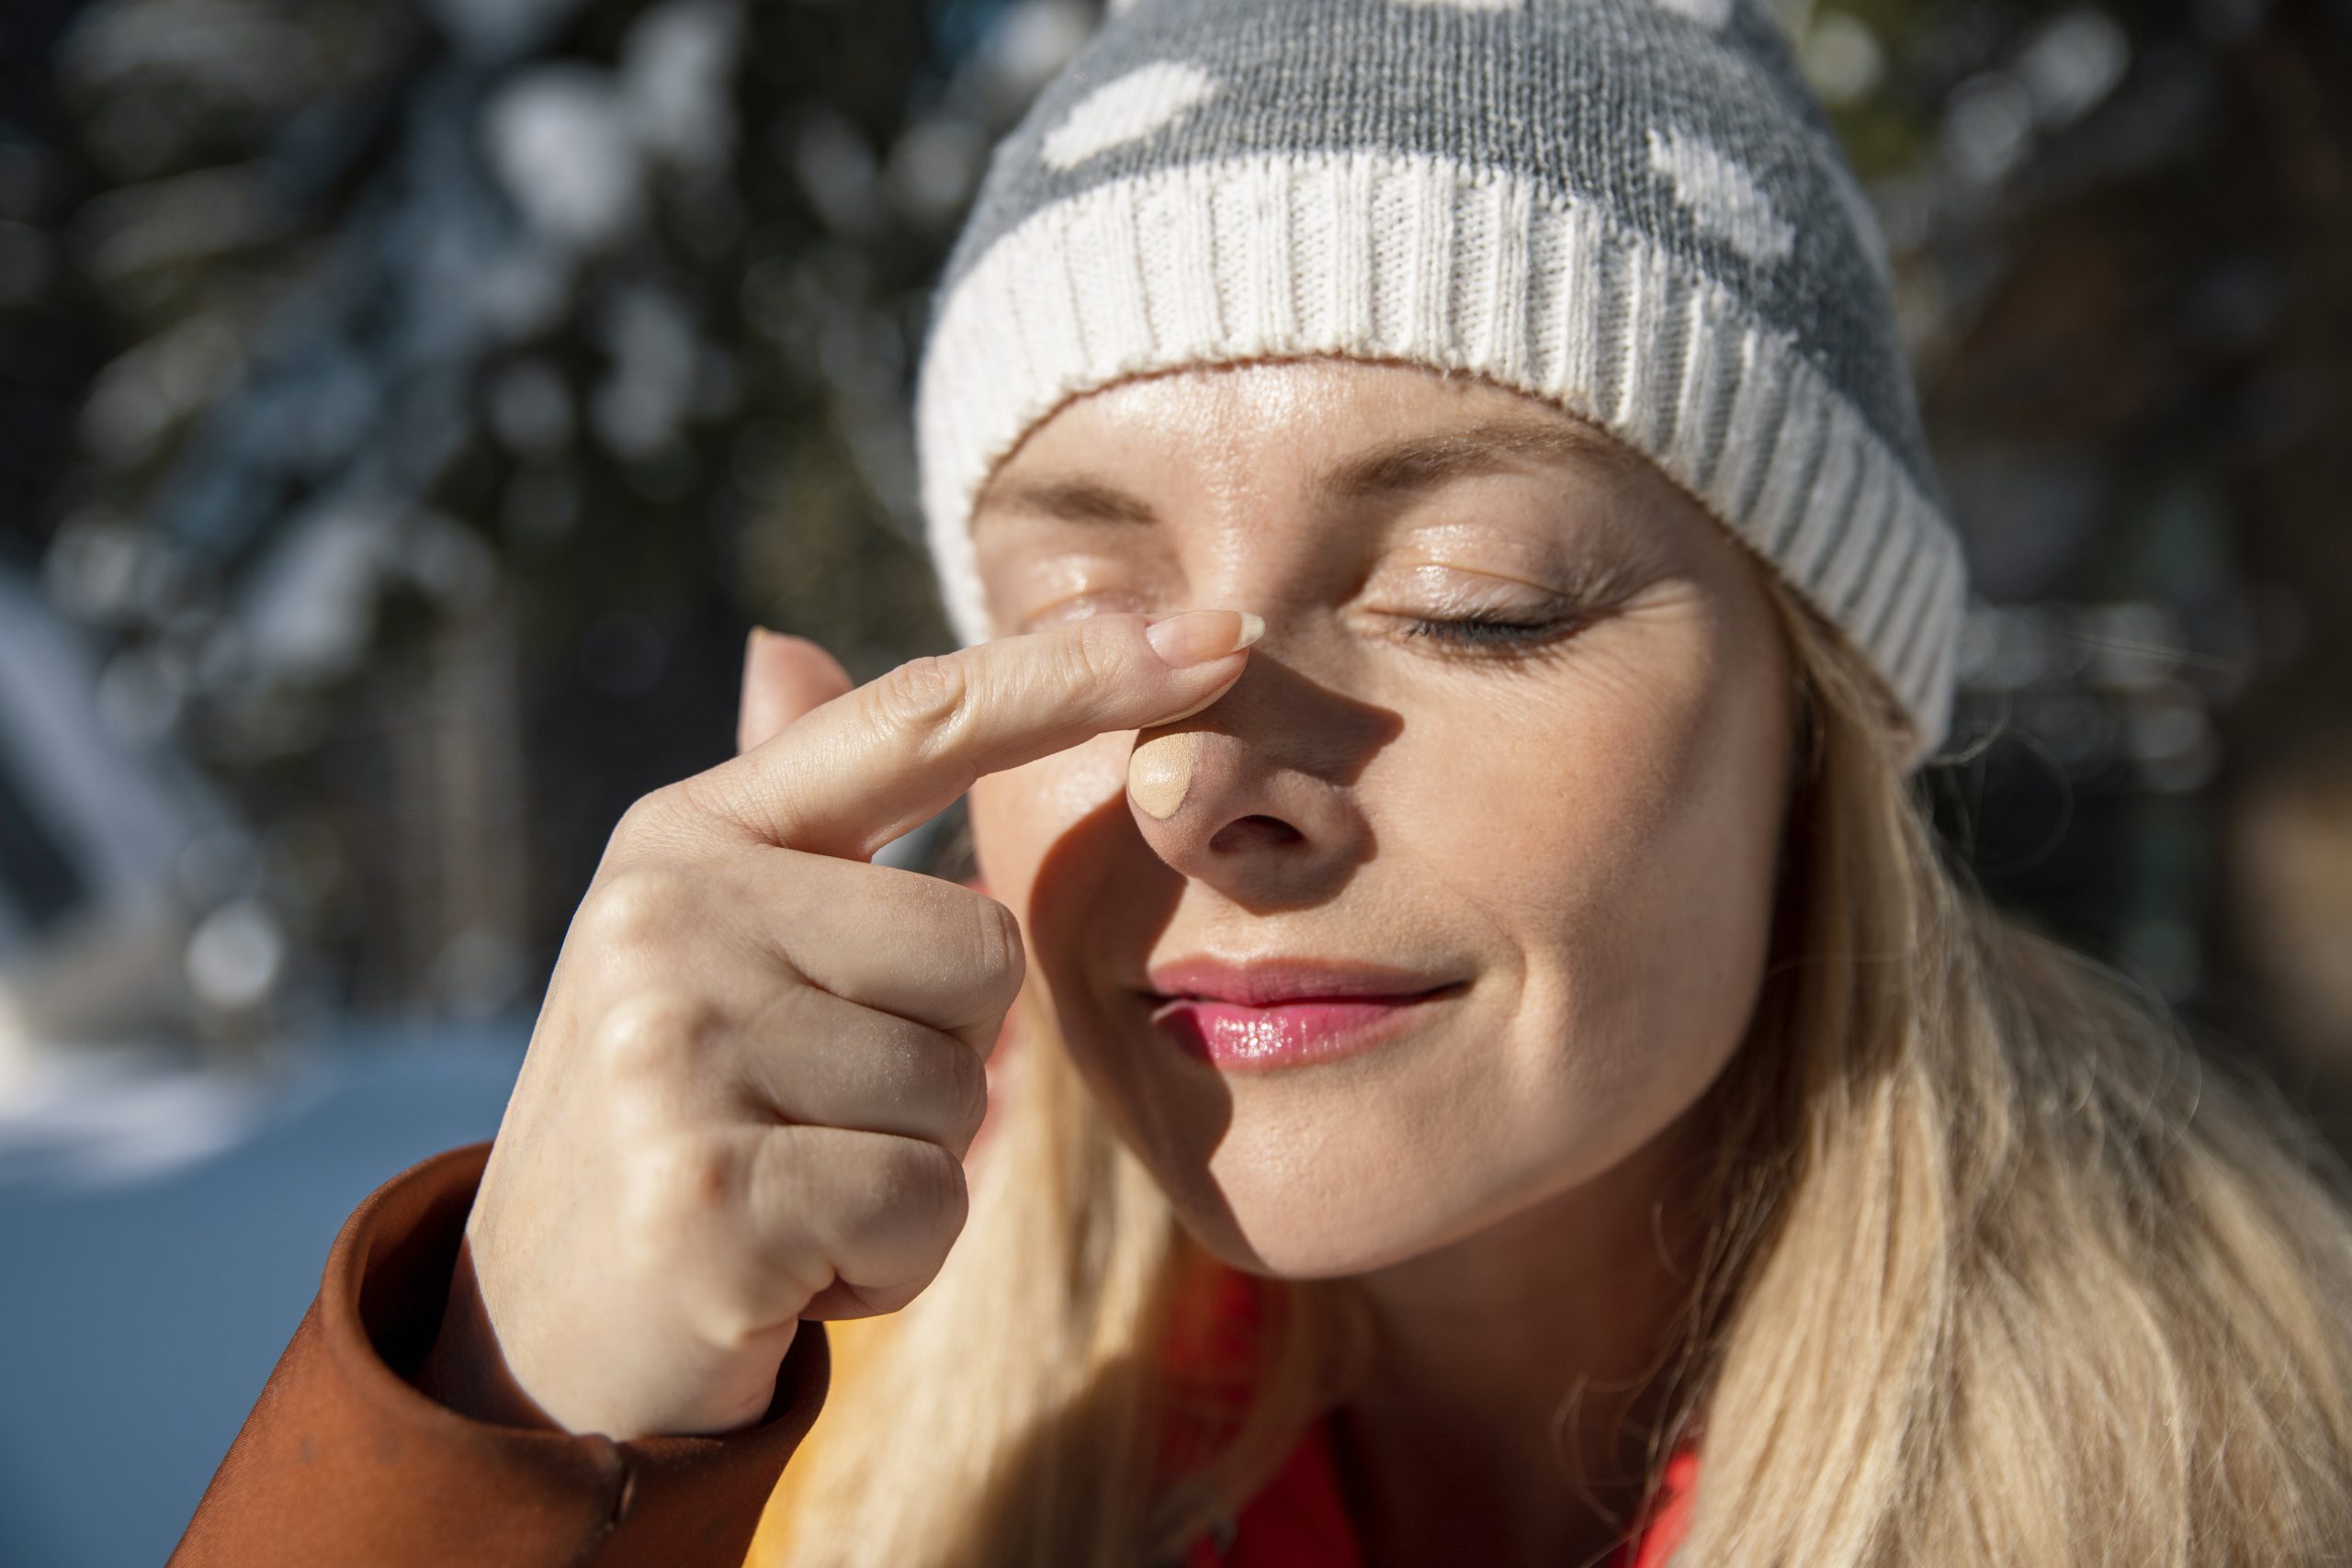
(1257, 832)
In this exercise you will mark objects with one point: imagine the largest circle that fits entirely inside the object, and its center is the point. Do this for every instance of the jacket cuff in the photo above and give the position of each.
(344, 1461)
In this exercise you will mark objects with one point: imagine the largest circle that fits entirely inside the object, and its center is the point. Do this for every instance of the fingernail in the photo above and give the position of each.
(1198, 635)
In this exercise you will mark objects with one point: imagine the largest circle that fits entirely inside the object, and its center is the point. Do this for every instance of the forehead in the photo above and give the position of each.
(1349, 430)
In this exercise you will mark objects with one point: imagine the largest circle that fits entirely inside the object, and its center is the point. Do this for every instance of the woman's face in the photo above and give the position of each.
(1512, 754)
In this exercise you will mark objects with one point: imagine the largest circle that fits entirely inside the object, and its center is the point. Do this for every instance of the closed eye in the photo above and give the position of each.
(1490, 633)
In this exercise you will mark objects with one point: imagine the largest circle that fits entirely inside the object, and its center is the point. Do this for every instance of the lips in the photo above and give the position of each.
(1270, 982)
(1287, 1012)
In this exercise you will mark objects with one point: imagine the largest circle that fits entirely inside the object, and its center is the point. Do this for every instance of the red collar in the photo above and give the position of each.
(1298, 1519)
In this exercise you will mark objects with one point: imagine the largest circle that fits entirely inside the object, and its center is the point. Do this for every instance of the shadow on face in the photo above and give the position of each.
(1258, 780)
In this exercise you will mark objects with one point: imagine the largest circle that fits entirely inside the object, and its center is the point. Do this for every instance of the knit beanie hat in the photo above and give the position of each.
(1633, 209)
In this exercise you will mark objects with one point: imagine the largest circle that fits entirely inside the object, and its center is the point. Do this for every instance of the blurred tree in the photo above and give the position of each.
(49, 327)
(2125, 238)
(485, 367)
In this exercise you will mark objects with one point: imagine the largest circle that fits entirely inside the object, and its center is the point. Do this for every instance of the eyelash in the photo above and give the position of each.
(1489, 634)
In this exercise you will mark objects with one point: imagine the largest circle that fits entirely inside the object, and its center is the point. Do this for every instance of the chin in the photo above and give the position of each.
(1302, 1202)
(1320, 1188)
(1294, 1244)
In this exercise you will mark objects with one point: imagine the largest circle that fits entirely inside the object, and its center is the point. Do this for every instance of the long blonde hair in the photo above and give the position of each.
(1999, 1272)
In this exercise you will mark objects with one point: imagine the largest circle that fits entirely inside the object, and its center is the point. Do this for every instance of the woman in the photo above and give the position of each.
(1499, 1072)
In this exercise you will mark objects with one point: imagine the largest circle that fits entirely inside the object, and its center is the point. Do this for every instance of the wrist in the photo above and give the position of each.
(466, 1369)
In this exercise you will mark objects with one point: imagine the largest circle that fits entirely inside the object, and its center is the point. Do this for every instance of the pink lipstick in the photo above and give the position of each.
(1286, 1013)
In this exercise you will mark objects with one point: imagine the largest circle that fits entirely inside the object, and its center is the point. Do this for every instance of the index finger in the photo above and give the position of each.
(871, 765)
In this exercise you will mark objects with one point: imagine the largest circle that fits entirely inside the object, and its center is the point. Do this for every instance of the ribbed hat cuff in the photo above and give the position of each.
(1419, 259)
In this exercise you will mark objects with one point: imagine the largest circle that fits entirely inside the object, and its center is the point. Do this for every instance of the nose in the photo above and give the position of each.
(1256, 794)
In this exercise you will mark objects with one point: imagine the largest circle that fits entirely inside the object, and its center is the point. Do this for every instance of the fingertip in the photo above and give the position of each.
(1238, 660)
(1201, 637)
(784, 678)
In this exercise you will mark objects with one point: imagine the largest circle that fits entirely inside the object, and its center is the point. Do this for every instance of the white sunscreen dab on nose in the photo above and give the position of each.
(1160, 772)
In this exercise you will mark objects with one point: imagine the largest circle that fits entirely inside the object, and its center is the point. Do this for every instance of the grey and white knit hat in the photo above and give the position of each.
(1632, 209)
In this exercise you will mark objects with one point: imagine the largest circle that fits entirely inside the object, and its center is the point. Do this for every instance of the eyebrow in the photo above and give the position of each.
(1420, 463)
(1067, 501)
(1396, 471)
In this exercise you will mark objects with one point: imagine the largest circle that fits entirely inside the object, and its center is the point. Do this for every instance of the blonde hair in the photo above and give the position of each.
(1999, 1272)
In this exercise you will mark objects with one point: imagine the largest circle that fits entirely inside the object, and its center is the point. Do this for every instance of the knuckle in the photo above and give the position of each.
(655, 1035)
(923, 695)
(674, 1182)
(1095, 656)
(742, 1301)
(736, 1318)
(722, 1317)
(639, 906)
(649, 817)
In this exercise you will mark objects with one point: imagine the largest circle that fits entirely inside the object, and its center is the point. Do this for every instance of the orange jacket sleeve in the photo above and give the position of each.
(344, 1462)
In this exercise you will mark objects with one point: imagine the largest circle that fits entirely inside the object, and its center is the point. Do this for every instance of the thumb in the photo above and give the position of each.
(784, 677)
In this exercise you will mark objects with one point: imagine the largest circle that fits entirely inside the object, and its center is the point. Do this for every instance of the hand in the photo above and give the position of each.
(759, 1060)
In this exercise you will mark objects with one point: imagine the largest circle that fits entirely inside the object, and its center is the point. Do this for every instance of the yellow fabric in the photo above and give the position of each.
(852, 1344)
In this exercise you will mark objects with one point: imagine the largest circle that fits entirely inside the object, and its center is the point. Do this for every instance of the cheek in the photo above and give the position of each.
(1644, 778)
(1643, 896)
(1646, 817)
(1021, 816)
(1617, 840)
(1058, 844)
